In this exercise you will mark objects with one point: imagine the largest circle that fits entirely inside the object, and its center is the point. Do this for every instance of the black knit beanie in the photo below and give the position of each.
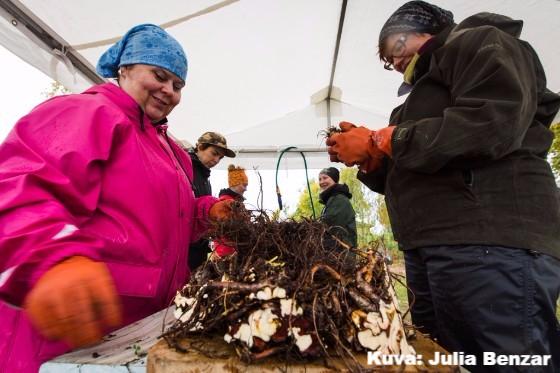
(332, 173)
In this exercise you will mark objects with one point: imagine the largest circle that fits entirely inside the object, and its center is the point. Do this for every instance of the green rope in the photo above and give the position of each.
(278, 194)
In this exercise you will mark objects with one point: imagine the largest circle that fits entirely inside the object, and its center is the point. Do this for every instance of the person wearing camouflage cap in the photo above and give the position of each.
(208, 151)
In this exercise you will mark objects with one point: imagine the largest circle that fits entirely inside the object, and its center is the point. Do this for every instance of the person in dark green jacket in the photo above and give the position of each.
(471, 197)
(338, 212)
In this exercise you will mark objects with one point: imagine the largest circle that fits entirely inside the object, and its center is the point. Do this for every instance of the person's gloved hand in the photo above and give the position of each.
(382, 139)
(331, 140)
(74, 301)
(220, 210)
(348, 145)
(355, 145)
(223, 248)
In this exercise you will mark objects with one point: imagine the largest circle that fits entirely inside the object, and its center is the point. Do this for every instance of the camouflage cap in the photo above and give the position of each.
(217, 140)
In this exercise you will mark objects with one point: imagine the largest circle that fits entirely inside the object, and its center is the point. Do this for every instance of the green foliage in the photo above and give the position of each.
(554, 154)
(360, 202)
(303, 209)
(383, 214)
(55, 89)
(392, 246)
(402, 296)
(276, 215)
(365, 237)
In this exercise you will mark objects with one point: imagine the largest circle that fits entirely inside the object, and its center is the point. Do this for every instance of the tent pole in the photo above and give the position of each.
(335, 58)
(32, 27)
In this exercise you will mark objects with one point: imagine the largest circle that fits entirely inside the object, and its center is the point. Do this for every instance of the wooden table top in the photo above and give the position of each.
(219, 357)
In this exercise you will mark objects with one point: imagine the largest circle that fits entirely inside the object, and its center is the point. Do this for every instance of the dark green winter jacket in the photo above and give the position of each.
(338, 213)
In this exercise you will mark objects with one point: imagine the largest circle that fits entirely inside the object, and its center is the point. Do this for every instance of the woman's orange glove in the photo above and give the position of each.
(382, 139)
(74, 301)
(221, 210)
(355, 145)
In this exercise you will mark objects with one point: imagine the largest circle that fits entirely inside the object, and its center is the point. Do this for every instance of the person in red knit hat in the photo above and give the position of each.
(237, 182)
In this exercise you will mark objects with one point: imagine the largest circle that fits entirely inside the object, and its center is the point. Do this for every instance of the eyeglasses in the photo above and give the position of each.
(399, 49)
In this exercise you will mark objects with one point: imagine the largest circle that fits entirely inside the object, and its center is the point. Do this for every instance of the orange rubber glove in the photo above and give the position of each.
(382, 139)
(355, 145)
(331, 140)
(74, 301)
(220, 210)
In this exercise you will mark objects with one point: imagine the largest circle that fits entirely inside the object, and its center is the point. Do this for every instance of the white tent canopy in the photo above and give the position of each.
(268, 74)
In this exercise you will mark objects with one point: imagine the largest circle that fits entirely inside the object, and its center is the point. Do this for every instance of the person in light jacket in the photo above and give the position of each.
(97, 208)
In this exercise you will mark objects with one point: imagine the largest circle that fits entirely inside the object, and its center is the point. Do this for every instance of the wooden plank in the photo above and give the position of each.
(121, 351)
(219, 356)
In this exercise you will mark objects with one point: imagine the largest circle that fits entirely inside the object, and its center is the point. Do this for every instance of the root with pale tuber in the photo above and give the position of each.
(292, 290)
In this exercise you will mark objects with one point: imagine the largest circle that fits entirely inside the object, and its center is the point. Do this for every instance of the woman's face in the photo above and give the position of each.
(325, 182)
(240, 189)
(210, 156)
(402, 47)
(155, 89)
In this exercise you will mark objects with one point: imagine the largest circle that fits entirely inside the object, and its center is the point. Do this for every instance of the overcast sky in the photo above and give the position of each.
(23, 86)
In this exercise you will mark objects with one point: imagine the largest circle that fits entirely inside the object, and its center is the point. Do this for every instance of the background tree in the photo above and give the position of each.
(303, 208)
(363, 202)
(386, 233)
(55, 89)
(383, 214)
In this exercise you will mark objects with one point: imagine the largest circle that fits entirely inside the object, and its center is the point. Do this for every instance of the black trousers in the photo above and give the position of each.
(478, 299)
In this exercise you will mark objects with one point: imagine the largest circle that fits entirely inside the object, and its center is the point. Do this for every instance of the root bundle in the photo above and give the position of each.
(294, 290)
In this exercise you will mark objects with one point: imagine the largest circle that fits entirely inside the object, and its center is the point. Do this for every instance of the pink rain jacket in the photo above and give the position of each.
(90, 175)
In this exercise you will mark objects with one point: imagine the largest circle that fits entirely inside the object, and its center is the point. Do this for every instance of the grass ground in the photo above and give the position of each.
(403, 299)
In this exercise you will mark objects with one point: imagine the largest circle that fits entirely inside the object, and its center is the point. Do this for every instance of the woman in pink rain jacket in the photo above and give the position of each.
(97, 208)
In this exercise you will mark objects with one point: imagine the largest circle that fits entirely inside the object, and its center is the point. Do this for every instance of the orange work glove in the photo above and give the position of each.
(74, 301)
(220, 210)
(382, 139)
(355, 145)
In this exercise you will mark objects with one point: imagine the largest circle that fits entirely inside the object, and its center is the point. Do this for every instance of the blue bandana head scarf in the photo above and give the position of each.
(145, 44)
(416, 16)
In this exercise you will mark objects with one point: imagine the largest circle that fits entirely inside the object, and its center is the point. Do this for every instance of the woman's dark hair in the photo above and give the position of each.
(202, 147)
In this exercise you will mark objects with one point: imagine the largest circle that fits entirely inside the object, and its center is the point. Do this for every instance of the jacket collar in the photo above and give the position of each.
(504, 23)
(198, 164)
(130, 107)
(422, 64)
(334, 190)
(229, 192)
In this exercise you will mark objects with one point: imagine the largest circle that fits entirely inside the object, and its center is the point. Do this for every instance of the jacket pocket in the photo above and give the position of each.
(468, 178)
(467, 187)
(135, 280)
